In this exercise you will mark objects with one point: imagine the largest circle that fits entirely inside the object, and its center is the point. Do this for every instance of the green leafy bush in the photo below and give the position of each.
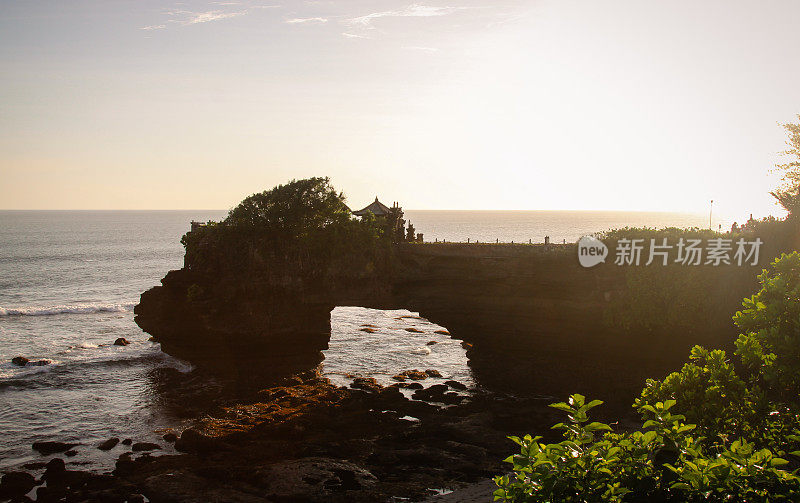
(709, 433)
(302, 229)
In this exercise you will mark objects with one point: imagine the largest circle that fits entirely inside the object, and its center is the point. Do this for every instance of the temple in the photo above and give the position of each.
(377, 208)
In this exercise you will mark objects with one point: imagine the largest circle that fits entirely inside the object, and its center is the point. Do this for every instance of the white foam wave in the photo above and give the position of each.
(66, 309)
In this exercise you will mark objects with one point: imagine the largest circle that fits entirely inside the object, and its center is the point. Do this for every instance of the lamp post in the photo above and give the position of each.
(710, 212)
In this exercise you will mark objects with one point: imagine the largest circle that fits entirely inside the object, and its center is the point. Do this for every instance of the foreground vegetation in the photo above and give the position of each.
(714, 431)
(717, 430)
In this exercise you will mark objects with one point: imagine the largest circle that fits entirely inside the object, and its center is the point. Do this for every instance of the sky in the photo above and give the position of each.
(460, 104)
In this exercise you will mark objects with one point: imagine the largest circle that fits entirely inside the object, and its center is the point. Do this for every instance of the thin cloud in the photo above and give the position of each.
(414, 10)
(212, 15)
(183, 17)
(307, 20)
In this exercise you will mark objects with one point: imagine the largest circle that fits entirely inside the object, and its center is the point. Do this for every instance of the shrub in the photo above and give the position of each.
(709, 433)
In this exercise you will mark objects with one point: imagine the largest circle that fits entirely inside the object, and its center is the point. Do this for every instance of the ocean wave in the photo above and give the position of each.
(66, 309)
(15, 376)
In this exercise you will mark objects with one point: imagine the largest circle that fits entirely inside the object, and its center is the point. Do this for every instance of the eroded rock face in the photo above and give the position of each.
(531, 318)
(244, 329)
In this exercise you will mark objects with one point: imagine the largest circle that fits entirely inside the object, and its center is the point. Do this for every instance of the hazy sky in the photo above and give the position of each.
(464, 104)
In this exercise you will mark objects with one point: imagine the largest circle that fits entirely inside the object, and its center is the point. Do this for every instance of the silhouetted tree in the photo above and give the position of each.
(410, 235)
(789, 195)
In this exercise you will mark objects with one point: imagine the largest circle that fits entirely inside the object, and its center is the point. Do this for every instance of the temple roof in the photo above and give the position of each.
(377, 208)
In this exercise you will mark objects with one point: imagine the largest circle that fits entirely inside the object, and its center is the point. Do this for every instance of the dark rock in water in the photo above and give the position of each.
(441, 332)
(127, 441)
(434, 393)
(51, 447)
(39, 363)
(312, 479)
(368, 330)
(408, 385)
(366, 383)
(71, 453)
(433, 373)
(124, 464)
(122, 341)
(55, 466)
(451, 398)
(413, 330)
(414, 375)
(431, 343)
(20, 360)
(145, 446)
(16, 484)
(135, 498)
(170, 437)
(456, 385)
(108, 444)
(193, 440)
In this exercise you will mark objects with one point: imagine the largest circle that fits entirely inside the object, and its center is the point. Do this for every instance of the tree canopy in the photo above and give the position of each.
(789, 195)
(292, 210)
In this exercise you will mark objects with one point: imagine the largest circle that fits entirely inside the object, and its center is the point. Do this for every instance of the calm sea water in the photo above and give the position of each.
(68, 284)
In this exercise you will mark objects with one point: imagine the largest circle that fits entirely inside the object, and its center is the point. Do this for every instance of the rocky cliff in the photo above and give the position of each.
(533, 318)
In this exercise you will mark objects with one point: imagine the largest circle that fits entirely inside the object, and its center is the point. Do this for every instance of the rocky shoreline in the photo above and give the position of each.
(306, 440)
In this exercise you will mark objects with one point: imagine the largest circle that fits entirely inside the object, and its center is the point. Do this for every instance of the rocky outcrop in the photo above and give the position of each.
(531, 317)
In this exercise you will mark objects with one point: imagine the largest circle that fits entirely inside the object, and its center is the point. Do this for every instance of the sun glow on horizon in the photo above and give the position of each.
(557, 105)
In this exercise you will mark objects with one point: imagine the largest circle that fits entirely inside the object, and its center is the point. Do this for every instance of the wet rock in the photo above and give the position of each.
(414, 375)
(399, 378)
(414, 330)
(71, 453)
(433, 373)
(431, 343)
(456, 385)
(466, 345)
(135, 498)
(46, 448)
(368, 330)
(170, 437)
(313, 479)
(39, 363)
(127, 441)
(108, 444)
(145, 446)
(434, 393)
(124, 464)
(441, 332)
(16, 484)
(408, 385)
(20, 361)
(451, 398)
(193, 440)
(54, 467)
(369, 325)
(122, 341)
(366, 383)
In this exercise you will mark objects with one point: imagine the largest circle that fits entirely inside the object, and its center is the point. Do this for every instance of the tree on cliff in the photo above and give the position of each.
(304, 225)
(292, 210)
(789, 195)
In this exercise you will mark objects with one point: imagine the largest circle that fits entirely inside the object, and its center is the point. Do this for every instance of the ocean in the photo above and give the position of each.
(69, 281)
